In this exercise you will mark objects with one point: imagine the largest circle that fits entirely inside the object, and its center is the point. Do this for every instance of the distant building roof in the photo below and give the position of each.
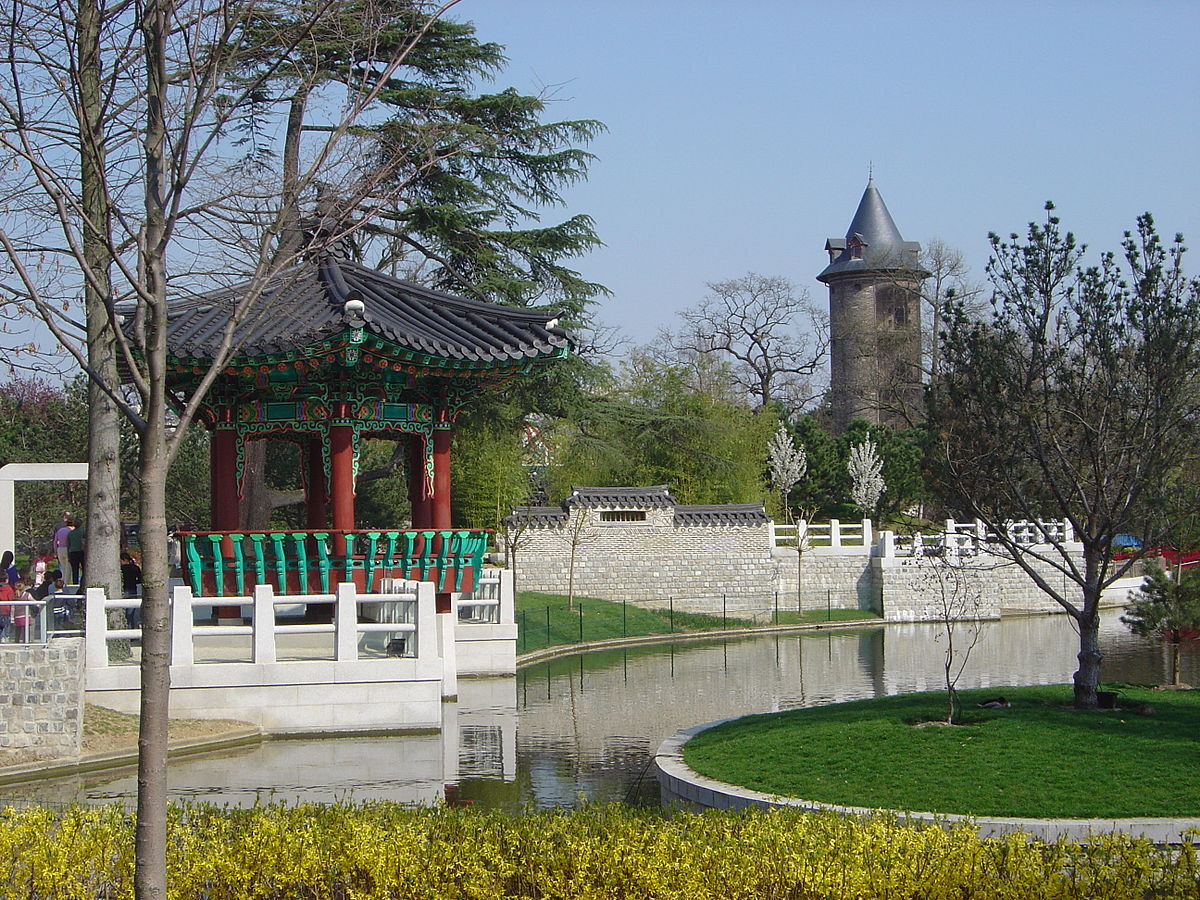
(872, 241)
(654, 497)
(727, 514)
(542, 516)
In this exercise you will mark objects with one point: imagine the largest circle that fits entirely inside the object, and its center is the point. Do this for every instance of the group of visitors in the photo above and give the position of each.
(21, 597)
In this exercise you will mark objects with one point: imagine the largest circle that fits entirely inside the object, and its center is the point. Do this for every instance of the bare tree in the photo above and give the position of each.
(948, 280)
(170, 202)
(771, 334)
(1079, 400)
(957, 590)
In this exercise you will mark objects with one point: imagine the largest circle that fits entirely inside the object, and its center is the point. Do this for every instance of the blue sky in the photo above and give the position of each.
(740, 134)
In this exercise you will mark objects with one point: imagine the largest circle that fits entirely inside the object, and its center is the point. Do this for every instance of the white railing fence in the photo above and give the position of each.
(403, 618)
(832, 535)
(956, 538)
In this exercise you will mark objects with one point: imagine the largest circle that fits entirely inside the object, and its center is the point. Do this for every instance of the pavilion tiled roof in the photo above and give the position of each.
(307, 303)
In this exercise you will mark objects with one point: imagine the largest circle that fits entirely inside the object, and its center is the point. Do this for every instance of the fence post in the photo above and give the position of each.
(624, 614)
(524, 633)
(671, 609)
(345, 622)
(183, 652)
(828, 604)
(724, 619)
(95, 628)
(547, 625)
(866, 530)
(777, 607)
(581, 621)
(835, 533)
(263, 640)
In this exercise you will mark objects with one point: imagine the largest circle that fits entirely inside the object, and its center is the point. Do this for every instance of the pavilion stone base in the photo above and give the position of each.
(299, 697)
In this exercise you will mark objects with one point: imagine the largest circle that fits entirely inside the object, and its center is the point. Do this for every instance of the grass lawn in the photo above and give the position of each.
(544, 620)
(1039, 758)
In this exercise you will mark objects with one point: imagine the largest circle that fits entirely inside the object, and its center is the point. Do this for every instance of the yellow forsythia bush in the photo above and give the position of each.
(347, 852)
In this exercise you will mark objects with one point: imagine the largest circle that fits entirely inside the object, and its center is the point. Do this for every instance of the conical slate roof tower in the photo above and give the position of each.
(874, 278)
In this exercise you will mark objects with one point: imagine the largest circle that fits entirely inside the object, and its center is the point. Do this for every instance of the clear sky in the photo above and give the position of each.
(740, 134)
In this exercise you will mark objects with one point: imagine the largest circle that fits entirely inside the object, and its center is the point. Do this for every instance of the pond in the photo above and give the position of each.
(587, 726)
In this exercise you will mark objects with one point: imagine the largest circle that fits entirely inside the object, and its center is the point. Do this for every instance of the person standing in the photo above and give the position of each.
(8, 571)
(60, 543)
(131, 586)
(76, 548)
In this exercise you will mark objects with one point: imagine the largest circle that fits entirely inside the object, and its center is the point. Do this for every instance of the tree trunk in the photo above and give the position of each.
(1087, 677)
(101, 566)
(1175, 664)
(150, 837)
(151, 834)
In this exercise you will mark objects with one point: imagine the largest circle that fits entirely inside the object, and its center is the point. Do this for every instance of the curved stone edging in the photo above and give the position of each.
(682, 786)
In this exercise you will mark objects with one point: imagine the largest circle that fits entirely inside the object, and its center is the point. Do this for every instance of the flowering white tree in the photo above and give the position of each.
(788, 464)
(866, 476)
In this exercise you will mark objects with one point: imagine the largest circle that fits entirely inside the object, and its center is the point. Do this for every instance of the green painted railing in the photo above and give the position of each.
(231, 563)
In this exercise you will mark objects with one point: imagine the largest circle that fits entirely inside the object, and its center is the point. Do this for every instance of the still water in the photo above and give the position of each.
(587, 726)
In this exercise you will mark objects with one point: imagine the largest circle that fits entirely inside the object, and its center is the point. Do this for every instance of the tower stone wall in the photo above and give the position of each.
(874, 279)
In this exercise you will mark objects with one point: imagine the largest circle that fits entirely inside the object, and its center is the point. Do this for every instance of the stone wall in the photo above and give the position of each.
(734, 566)
(649, 560)
(41, 698)
(912, 589)
(829, 580)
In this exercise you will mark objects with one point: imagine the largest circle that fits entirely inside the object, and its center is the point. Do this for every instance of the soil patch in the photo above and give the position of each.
(109, 731)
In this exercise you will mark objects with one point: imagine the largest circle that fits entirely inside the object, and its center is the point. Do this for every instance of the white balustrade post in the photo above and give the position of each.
(1068, 532)
(183, 652)
(508, 613)
(835, 533)
(866, 527)
(264, 624)
(887, 544)
(95, 619)
(345, 619)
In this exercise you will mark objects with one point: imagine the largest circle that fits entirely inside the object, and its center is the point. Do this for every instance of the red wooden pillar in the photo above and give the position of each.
(441, 478)
(422, 503)
(223, 486)
(441, 497)
(316, 490)
(341, 459)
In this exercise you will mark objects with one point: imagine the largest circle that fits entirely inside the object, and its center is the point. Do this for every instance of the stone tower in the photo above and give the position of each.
(874, 279)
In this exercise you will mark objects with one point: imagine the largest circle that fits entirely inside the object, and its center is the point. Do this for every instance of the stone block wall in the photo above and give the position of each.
(992, 584)
(828, 580)
(651, 560)
(41, 698)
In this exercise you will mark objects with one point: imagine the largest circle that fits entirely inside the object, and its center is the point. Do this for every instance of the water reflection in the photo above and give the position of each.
(587, 726)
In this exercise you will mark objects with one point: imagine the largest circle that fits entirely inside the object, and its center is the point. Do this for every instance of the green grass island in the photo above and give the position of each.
(1035, 758)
